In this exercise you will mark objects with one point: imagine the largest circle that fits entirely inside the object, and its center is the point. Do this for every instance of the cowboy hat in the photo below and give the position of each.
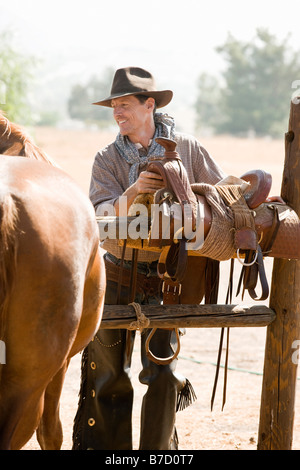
(136, 81)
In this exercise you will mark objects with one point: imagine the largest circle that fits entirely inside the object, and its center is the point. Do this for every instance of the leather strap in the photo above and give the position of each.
(228, 300)
(260, 270)
(133, 275)
(267, 242)
(172, 262)
(250, 275)
(176, 260)
(171, 292)
(120, 274)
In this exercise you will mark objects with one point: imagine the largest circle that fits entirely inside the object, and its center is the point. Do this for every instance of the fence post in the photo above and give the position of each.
(283, 334)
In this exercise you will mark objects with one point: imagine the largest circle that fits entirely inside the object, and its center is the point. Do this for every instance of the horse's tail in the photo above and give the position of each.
(8, 254)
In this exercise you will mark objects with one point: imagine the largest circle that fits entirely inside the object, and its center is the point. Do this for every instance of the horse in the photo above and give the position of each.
(52, 285)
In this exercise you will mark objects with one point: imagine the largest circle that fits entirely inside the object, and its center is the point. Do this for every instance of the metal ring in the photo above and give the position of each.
(242, 262)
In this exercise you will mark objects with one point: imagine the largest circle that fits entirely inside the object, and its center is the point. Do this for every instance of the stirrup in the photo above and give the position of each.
(158, 360)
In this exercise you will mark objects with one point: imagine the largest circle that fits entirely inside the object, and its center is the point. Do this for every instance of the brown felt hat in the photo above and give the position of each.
(136, 81)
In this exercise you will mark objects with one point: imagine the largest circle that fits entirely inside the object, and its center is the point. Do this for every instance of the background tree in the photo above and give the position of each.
(15, 80)
(82, 96)
(258, 85)
(206, 106)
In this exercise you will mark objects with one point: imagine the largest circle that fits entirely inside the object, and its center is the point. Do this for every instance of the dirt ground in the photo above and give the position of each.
(236, 427)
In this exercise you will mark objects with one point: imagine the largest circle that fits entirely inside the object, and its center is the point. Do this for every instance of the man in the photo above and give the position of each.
(103, 420)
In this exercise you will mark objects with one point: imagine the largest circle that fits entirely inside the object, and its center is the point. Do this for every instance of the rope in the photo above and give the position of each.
(141, 322)
(219, 243)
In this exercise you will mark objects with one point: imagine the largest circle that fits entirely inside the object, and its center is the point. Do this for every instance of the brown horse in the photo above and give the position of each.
(52, 282)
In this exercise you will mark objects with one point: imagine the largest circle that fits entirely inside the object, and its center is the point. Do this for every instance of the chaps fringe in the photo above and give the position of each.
(186, 396)
(78, 420)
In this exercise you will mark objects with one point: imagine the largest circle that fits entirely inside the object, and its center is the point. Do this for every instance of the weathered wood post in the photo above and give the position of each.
(280, 368)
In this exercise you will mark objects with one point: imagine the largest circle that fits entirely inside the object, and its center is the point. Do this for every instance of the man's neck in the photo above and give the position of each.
(144, 137)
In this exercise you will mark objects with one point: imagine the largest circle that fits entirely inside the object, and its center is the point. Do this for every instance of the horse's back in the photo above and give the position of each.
(35, 183)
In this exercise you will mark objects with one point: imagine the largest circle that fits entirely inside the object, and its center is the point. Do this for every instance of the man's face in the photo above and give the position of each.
(132, 116)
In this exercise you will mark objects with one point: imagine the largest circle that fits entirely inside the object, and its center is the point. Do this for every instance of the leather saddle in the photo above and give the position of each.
(260, 228)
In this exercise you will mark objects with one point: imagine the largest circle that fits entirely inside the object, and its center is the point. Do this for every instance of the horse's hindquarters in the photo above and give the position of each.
(93, 303)
(54, 299)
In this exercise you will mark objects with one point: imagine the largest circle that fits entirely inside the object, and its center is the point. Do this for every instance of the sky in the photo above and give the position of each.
(175, 39)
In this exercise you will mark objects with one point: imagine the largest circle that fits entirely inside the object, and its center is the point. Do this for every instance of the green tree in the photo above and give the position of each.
(206, 106)
(82, 96)
(258, 85)
(16, 76)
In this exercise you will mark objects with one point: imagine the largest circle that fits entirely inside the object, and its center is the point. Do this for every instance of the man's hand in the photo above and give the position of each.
(148, 182)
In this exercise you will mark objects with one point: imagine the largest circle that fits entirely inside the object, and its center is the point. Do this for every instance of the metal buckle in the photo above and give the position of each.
(173, 287)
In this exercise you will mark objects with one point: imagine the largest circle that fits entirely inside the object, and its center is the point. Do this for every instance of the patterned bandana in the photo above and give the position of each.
(164, 127)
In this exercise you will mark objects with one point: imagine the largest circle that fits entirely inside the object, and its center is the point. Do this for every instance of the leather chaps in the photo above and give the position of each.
(103, 419)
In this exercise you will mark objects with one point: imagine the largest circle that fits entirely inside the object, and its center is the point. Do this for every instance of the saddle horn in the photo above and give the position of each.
(168, 144)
